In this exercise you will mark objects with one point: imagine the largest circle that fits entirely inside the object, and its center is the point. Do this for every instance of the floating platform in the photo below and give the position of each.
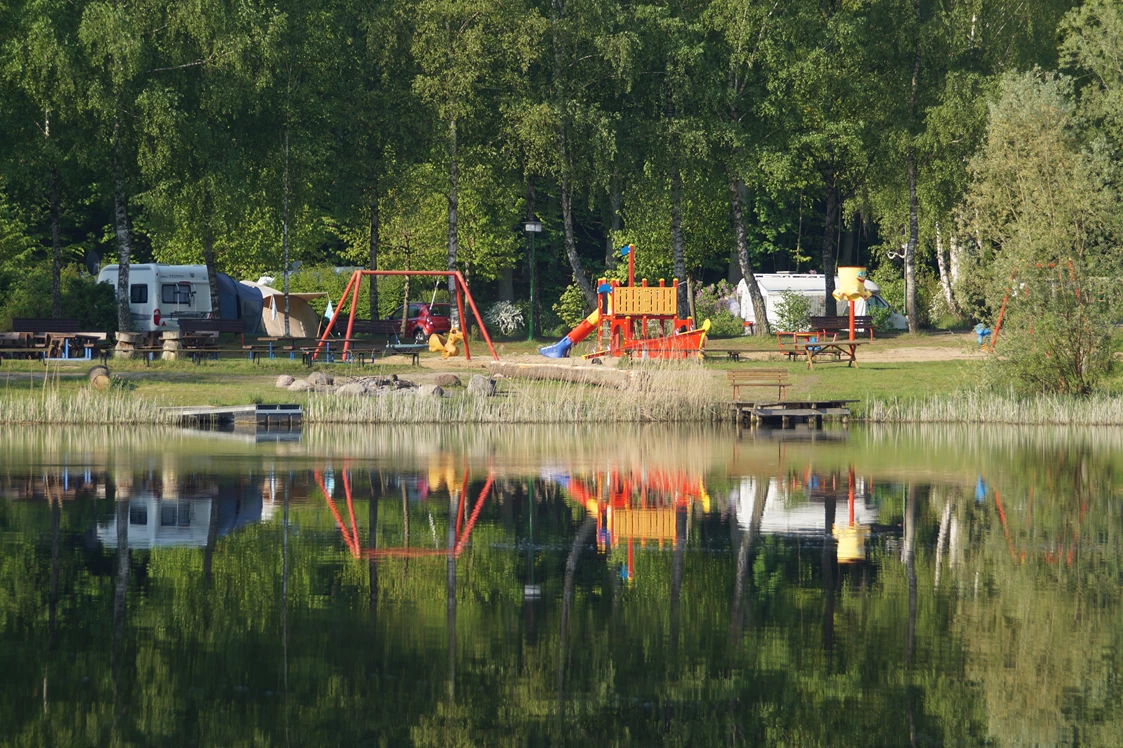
(286, 417)
(788, 413)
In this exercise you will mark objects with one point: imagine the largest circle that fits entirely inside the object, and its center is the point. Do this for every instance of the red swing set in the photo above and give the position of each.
(351, 293)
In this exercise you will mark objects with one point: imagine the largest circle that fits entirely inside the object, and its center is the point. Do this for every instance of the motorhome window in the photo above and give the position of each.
(175, 514)
(876, 302)
(138, 293)
(138, 515)
(175, 293)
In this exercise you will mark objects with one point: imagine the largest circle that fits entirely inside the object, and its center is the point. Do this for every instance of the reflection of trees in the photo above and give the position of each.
(1030, 657)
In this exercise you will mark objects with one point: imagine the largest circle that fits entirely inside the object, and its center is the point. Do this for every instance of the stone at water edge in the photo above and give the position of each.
(447, 380)
(351, 389)
(284, 381)
(403, 384)
(481, 385)
(99, 378)
(430, 390)
(319, 378)
(301, 385)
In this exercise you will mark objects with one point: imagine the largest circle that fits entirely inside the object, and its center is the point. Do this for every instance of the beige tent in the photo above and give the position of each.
(303, 320)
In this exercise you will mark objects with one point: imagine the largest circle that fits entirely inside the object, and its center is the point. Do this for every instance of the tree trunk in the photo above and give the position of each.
(579, 276)
(914, 229)
(285, 230)
(678, 249)
(453, 205)
(615, 223)
(760, 311)
(121, 221)
(910, 248)
(56, 246)
(829, 306)
(212, 271)
(945, 276)
(955, 261)
(374, 218)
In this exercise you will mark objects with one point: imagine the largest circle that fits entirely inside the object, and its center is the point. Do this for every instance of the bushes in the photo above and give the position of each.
(28, 294)
(793, 312)
(505, 317)
(717, 303)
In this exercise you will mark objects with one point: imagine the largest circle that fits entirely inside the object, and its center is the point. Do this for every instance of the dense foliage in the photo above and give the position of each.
(721, 137)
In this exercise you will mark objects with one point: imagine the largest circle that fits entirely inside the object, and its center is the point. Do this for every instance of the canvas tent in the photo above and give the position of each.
(303, 320)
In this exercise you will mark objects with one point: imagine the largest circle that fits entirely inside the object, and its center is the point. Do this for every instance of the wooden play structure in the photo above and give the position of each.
(635, 320)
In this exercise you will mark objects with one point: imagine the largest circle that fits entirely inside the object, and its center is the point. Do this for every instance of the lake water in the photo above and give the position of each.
(545, 586)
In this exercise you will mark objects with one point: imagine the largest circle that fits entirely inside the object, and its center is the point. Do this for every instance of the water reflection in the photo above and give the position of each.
(638, 586)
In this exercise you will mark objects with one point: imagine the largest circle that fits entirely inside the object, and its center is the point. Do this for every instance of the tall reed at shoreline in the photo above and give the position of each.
(987, 407)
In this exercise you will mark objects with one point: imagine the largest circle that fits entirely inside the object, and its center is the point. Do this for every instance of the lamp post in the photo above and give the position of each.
(531, 227)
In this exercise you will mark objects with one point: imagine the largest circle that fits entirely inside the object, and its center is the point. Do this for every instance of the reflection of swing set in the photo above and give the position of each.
(351, 294)
(351, 533)
(1051, 556)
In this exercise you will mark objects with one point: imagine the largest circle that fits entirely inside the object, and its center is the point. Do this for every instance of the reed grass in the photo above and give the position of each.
(85, 407)
(986, 407)
(666, 394)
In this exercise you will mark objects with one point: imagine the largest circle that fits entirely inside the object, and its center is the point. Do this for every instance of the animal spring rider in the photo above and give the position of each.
(631, 312)
(446, 347)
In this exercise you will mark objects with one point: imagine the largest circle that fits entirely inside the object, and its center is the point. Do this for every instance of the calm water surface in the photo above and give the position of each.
(548, 586)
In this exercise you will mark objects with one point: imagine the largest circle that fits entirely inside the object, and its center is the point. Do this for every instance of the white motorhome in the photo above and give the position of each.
(773, 285)
(161, 295)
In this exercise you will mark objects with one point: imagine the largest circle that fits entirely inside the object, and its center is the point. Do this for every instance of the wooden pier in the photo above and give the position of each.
(787, 413)
(287, 416)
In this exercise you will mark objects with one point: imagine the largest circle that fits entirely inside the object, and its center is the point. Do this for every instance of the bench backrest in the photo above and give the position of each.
(770, 377)
(840, 323)
(30, 324)
(375, 326)
(194, 324)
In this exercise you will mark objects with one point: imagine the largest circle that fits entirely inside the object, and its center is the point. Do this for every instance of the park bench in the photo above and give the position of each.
(56, 338)
(733, 354)
(200, 338)
(777, 378)
(839, 324)
(392, 329)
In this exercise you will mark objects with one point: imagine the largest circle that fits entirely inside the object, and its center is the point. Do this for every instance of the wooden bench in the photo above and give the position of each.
(389, 327)
(842, 324)
(216, 327)
(733, 354)
(777, 378)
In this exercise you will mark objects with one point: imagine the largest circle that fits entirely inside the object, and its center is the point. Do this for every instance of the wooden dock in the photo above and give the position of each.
(287, 416)
(787, 413)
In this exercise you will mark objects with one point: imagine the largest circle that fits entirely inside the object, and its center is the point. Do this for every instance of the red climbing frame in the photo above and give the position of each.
(356, 282)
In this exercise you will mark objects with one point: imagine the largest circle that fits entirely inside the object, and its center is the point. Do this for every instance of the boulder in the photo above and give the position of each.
(448, 380)
(324, 389)
(430, 390)
(320, 378)
(301, 385)
(99, 378)
(284, 381)
(481, 385)
(403, 384)
(351, 389)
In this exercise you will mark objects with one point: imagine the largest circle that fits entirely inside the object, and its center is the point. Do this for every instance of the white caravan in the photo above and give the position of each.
(772, 285)
(161, 295)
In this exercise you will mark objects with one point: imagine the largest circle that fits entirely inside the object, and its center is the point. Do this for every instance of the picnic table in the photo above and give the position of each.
(842, 349)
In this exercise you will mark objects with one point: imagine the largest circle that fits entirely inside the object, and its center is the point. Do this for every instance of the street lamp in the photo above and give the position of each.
(531, 227)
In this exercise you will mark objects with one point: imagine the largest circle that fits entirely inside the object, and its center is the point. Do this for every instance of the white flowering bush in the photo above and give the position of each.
(505, 317)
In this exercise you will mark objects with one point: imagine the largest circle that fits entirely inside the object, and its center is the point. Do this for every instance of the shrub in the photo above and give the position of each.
(571, 307)
(725, 325)
(28, 294)
(793, 312)
(505, 317)
(882, 318)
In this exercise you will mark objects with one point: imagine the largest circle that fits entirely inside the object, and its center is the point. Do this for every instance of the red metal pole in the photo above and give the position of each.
(851, 328)
(463, 540)
(351, 510)
(850, 487)
(331, 322)
(358, 282)
(632, 265)
(479, 320)
(460, 311)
